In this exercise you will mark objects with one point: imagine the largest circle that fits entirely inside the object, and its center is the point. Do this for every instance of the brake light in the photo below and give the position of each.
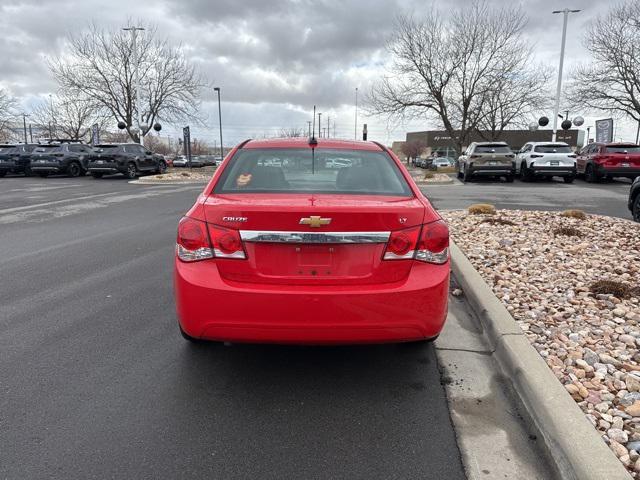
(433, 246)
(402, 244)
(534, 155)
(226, 242)
(429, 243)
(193, 242)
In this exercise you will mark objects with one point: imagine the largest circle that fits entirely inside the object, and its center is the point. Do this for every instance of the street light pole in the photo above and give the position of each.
(24, 123)
(217, 89)
(355, 127)
(319, 126)
(134, 33)
(556, 109)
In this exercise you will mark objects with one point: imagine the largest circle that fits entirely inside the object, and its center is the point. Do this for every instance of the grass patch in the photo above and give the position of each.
(497, 221)
(568, 231)
(613, 287)
(482, 209)
(446, 169)
(577, 214)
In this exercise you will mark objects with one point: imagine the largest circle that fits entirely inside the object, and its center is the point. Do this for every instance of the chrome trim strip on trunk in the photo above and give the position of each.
(313, 237)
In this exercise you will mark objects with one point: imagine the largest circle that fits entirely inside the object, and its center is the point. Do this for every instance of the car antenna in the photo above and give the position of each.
(312, 138)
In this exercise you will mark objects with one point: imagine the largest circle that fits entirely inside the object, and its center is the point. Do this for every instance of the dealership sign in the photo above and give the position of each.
(604, 130)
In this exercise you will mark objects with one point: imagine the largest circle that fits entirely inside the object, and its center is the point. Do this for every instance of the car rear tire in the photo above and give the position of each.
(28, 172)
(3, 173)
(635, 209)
(43, 174)
(162, 168)
(132, 171)
(590, 175)
(525, 174)
(458, 171)
(97, 174)
(509, 179)
(466, 176)
(569, 179)
(74, 169)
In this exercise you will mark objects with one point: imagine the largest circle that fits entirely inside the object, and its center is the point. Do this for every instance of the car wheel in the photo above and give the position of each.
(525, 173)
(162, 167)
(466, 176)
(509, 179)
(74, 169)
(2, 173)
(28, 172)
(43, 174)
(590, 174)
(132, 171)
(459, 171)
(569, 179)
(635, 210)
(97, 174)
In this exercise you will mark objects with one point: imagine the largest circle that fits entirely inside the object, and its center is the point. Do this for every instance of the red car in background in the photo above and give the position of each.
(311, 242)
(599, 161)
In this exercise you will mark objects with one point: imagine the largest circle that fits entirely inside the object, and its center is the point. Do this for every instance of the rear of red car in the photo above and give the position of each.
(618, 160)
(322, 243)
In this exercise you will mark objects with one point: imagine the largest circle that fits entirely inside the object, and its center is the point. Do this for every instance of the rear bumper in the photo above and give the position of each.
(489, 170)
(559, 171)
(212, 308)
(47, 167)
(630, 172)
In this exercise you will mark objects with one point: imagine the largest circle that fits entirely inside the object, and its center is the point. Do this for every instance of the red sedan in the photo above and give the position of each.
(311, 242)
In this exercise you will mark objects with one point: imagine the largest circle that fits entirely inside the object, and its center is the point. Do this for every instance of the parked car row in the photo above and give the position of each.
(595, 162)
(77, 159)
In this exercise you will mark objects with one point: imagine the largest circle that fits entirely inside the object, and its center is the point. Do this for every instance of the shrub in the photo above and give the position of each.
(428, 175)
(568, 231)
(185, 174)
(615, 288)
(578, 214)
(482, 209)
(498, 221)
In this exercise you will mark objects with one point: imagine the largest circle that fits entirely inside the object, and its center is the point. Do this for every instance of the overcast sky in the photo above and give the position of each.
(273, 59)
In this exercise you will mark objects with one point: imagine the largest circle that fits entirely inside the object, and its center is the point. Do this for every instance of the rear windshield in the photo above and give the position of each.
(492, 149)
(552, 149)
(47, 148)
(300, 171)
(5, 149)
(623, 149)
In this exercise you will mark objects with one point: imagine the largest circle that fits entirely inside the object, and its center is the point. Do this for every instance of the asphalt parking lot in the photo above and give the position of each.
(97, 383)
(608, 198)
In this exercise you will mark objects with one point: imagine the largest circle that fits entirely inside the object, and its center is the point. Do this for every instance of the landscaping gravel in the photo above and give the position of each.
(543, 267)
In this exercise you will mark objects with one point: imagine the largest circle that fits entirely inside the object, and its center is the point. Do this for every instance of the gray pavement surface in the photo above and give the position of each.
(609, 198)
(95, 381)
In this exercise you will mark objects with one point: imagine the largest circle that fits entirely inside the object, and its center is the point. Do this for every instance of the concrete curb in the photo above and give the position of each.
(173, 182)
(574, 447)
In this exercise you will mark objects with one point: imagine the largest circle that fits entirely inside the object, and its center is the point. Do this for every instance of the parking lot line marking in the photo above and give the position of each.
(66, 200)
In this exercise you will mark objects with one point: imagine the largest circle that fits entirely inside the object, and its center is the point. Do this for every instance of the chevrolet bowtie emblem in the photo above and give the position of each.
(315, 221)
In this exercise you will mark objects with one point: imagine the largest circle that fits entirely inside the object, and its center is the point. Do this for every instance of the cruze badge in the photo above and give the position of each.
(234, 219)
(315, 221)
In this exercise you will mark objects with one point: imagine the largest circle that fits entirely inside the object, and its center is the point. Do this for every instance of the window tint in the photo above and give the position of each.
(551, 148)
(106, 148)
(76, 148)
(6, 149)
(326, 171)
(492, 149)
(47, 149)
(623, 149)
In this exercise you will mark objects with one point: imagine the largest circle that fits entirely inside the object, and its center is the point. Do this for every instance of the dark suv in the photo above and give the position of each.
(66, 158)
(16, 159)
(130, 159)
(634, 199)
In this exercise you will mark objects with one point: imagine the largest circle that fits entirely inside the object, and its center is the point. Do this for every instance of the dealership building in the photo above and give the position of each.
(439, 141)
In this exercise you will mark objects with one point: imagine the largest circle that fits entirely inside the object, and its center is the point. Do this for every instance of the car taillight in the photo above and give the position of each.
(534, 155)
(193, 242)
(402, 244)
(433, 246)
(429, 243)
(573, 155)
(226, 242)
(476, 156)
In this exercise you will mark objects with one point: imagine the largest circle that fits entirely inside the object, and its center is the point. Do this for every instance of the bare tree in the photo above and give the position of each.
(291, 132)
(99, 65)
(611, 82)
(413, 149)
(67, 117)
(444, 68)
(8, 115)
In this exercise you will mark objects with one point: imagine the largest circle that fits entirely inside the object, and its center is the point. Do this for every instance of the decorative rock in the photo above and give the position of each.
(633, 382)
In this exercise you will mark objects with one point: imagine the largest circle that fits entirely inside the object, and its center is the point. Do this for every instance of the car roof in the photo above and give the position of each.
(497, 142)
(301, 142)
(619, 144)
(564, 144)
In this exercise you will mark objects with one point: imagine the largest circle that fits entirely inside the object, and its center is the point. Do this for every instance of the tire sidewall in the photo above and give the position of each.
(131, 173)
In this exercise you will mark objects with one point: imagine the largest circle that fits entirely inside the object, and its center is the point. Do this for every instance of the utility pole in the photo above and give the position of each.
(556, 109)
(328, 126)
(355, 128)
(24, 123)
(319, 126)
(309, 123)
(217, 89)
(134, 32)
(30, 134)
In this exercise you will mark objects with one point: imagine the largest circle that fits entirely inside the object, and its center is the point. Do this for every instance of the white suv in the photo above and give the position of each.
(546, 159)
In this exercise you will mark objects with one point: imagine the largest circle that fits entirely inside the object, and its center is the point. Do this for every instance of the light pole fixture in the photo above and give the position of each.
(355, 127)
(566, 13)
(217, 89)
(134, 33)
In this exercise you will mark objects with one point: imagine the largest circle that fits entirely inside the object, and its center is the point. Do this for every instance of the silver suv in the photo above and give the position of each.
(488, 159)
(546, 159)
